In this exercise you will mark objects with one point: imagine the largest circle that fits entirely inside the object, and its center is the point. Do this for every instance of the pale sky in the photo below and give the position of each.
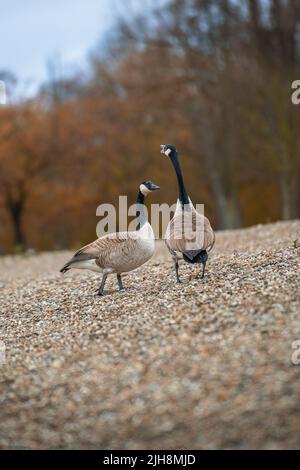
(33, 32)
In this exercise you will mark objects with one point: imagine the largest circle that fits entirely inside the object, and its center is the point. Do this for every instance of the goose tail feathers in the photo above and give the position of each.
(65, 268)
(77, 259)
(195, 256)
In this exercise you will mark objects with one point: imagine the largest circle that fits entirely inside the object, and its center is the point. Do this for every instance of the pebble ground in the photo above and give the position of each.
(204, 364)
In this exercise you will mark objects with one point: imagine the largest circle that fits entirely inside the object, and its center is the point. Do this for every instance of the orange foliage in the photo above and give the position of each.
(209, 91)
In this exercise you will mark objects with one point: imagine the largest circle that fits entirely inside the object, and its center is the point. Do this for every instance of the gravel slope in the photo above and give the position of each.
(201, 365)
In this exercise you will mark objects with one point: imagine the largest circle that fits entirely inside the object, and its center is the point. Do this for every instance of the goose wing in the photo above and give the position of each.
(189, 231)
(104, 250)
(109, 248)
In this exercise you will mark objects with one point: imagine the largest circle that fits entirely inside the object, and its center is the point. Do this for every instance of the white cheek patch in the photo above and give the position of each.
(168, 151)
(144, 190)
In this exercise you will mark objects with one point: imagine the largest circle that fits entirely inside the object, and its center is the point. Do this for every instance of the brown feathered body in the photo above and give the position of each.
(188, 233)
(115, 253)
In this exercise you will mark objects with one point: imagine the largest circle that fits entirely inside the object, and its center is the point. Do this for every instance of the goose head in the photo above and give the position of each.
(147, 187)
(169, 150)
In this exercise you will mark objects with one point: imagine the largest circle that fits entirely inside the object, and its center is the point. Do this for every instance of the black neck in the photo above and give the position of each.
(183, 196)
(140, 212)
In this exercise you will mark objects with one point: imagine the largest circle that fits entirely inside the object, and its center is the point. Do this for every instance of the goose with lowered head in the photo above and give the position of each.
(117, 253)
(189, 235)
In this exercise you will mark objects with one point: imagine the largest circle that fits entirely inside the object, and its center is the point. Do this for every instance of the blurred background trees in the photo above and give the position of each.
(213, 77)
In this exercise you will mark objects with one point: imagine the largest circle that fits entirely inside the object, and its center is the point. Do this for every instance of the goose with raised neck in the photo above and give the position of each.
(187, 238)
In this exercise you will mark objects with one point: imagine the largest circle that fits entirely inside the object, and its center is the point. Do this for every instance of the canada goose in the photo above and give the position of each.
(119, 252)
(189, 234)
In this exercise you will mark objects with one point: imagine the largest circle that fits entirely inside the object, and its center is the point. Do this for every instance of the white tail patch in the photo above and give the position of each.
(87, 264)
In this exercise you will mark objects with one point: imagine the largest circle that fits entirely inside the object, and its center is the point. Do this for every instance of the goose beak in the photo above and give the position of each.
(154, 187)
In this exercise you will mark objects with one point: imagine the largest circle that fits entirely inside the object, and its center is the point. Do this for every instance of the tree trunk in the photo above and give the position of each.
(233, 215)
(295, 185)
(285, 191)
(220, 199)
(227, 206)
(212, 173)
(16, 212)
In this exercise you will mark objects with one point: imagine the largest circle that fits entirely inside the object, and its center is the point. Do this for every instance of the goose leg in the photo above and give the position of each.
(121, 287)
(101, 288)
(203, 270)
(177, 269)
